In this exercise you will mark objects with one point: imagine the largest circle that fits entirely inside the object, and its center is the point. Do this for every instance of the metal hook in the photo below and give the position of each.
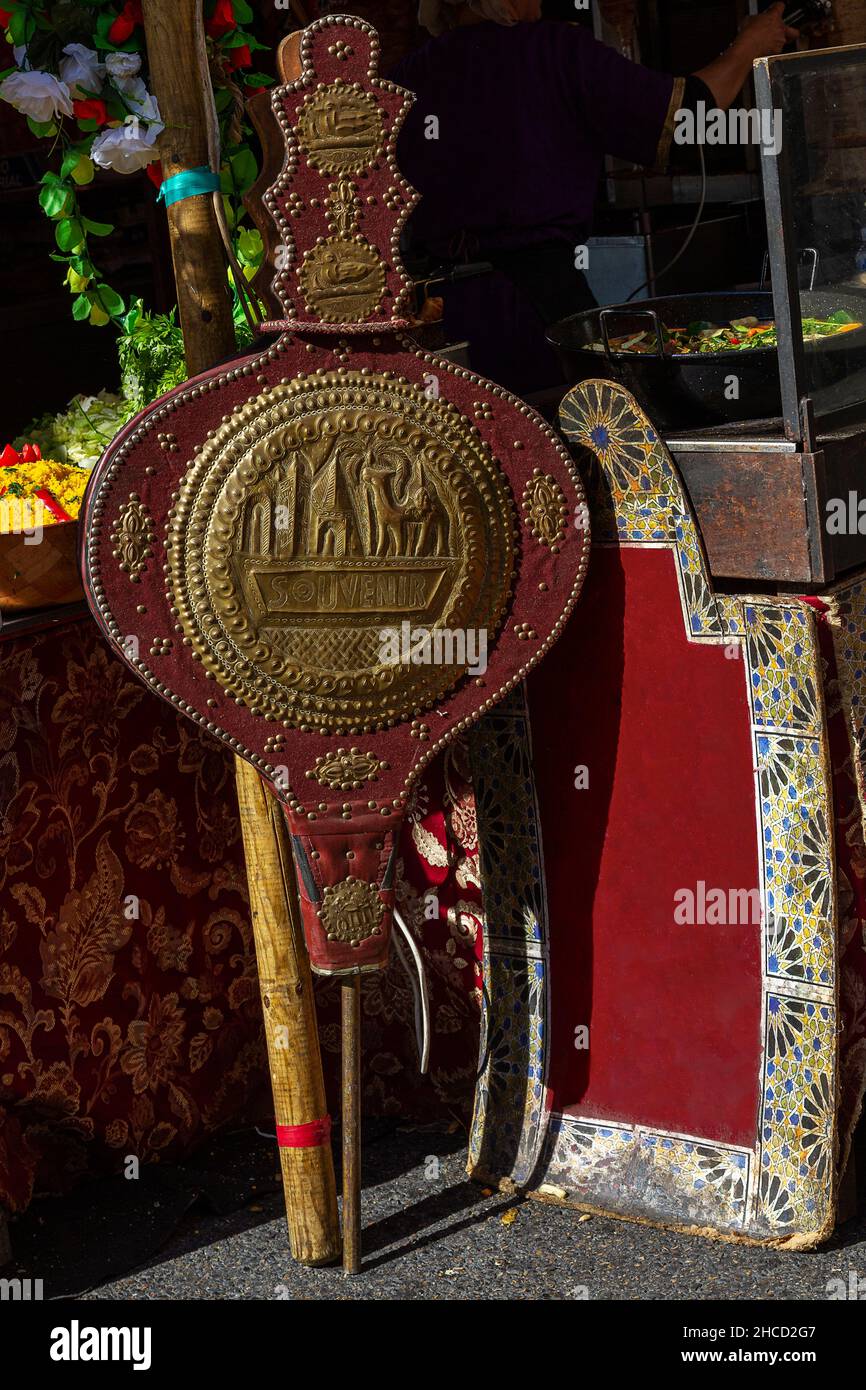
(419, 990)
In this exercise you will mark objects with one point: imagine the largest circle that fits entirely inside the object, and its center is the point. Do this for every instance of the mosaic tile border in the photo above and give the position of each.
(508, 1124)
(783, 1189)
(845, 618)
(847, 615)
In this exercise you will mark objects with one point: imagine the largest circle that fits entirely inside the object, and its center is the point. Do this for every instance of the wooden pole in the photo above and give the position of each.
(351, 1010)
(286, 986)
(174, 35)
(273, 155)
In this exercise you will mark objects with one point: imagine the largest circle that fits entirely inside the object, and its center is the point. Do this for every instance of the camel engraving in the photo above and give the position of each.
(401, 524)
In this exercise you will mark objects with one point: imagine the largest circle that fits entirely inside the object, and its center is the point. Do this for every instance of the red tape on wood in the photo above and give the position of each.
(311, 1136)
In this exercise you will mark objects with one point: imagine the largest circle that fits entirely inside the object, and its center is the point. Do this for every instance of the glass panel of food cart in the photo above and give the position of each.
(814, 163)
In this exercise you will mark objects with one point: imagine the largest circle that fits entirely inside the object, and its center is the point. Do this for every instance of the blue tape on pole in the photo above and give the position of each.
(188, 184)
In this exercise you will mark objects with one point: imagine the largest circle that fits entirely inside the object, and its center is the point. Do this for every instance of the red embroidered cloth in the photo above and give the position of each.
(130, 1020)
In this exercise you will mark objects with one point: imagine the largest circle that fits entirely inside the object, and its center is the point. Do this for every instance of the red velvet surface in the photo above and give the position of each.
(663, 727)
(302, 196)
(543, 582)
(137, 464)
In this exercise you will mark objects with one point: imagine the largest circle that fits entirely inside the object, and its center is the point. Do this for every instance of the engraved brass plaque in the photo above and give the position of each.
(342, 279)
(327, 520)
(351, 911)
(340, 130)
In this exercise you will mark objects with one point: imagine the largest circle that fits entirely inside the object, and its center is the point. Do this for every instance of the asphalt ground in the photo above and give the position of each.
(216, 1230)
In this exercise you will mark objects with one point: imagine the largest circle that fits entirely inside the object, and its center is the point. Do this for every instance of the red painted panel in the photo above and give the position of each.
(662, 725)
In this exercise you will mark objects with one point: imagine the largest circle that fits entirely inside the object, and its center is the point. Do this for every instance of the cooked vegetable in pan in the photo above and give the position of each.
(736, 336)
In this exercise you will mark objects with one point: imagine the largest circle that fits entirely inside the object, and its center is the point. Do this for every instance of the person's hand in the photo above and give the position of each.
(765, 33)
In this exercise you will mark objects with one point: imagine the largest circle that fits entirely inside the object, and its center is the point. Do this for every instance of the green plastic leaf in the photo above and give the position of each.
(70, 159)
(115, 105)
(41, 129)
(237, 39)
(84, 171)
(69, 233)
(245, 169)
(110, 300)
(81, 308)
(242, 12)
(54, 200)
(249, 246)
(97, 228)
(22, 27)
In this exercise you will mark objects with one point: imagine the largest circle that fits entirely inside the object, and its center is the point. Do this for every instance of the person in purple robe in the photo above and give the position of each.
(506, 142)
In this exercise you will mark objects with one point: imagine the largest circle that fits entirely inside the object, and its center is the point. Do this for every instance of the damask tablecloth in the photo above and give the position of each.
(130, 1021)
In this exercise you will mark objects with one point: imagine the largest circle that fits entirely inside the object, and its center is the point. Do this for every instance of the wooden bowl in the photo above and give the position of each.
(43, 575)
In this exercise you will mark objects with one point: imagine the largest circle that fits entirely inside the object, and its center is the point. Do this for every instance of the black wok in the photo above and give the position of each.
(688, 390)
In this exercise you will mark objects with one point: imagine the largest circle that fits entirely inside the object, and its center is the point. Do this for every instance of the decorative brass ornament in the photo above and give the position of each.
(340, 130)
(342, 207)
(346, 769)
(351, 911)
(342, 279)
(133, 535)
(545, 507)
(323, 516)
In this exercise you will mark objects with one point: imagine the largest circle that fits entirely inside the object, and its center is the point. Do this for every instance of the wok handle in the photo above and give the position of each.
(605, 314)
(801, 253)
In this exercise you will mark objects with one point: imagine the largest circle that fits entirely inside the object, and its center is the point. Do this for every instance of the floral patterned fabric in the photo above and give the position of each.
(129, 1009)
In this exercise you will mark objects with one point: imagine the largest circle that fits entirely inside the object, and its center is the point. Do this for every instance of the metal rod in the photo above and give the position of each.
(351, 1007)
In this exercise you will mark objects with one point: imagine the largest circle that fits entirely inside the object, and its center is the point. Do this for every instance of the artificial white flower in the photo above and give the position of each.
(81, 70)
(122, 65)
(139, 100)
(37, 95)
(126, 148)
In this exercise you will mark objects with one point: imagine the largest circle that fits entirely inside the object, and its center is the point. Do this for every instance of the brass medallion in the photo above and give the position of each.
(351, 911)
(340, 130)
(133, 536)
(330, 519)
(342, 279)
(545, 508)
(346, 769)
